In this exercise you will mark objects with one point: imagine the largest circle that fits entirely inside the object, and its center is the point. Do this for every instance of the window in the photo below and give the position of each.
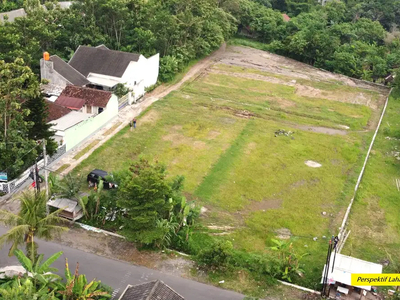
(88, 109)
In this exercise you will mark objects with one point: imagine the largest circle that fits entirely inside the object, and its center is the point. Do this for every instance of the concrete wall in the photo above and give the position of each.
(151, 71)
(76, 134)
(47, 72)
(142, 74)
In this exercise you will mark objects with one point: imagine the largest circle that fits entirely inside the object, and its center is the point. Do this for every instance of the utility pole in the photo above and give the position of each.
(45, 169)
(46, 181)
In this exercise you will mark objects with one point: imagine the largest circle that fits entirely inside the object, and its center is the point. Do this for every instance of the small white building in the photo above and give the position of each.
(339, 277)
(102, 68)
(79, 112)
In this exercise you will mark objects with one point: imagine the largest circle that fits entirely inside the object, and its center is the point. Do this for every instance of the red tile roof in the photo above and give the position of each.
(56, 111)
(70, 102)
(90, 96)
(286, 18)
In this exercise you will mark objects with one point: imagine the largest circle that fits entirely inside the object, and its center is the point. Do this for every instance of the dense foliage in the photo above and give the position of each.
(356, 38)
(41, 284)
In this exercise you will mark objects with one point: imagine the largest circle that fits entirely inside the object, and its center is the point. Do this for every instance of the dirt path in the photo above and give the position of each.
(128, 113)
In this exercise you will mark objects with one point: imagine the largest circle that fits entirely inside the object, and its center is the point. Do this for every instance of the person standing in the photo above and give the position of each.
(134, 123)
(130, 125)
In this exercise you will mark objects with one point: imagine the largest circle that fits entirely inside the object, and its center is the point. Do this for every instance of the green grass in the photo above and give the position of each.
(218, 131)
(86, 149)
(62, 168)
(374, 220)
(112, 129)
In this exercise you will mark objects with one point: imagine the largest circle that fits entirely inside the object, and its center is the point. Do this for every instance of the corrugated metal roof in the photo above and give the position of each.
(69, 120)
(345, 265)
(66, 204)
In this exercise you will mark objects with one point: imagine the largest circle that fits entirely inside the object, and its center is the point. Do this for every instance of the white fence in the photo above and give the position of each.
(11, 186)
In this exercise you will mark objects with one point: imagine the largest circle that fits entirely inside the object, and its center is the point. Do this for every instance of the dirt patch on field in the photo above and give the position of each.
(347, 97)
(372, 224)
(250, 147)
(178, 139)
(199, 145)
(264, 205)
(283, 233)
(324, 130)
(151, 117)
(175, 265)
(213, 134)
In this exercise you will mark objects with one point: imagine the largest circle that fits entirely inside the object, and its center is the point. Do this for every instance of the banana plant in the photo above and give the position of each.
(78, 288)
(41, 273)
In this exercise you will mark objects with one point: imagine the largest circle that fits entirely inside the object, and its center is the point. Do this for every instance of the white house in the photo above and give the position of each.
(102, 68)
(79, 112)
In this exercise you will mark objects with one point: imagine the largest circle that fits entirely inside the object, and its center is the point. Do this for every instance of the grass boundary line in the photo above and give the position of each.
(346, 216)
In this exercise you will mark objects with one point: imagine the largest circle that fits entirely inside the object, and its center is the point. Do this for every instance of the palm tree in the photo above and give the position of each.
(30, 222)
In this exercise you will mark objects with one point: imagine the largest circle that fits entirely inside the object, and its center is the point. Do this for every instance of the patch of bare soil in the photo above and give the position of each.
(264, 205)
(260, 77)
(175, 265)
(347, 97)
(151, 117)
(373, 225)
(250, 147)
(199, 145)
(108, 246)
(177, 138)
(283, 233)
(324, 130)
(253, 58)
(213, 134)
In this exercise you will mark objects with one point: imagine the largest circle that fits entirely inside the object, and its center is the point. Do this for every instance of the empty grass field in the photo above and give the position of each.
(219, 132)
(374, 220)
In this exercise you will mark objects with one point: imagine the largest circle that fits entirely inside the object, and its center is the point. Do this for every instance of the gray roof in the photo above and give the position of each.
(68, 72)
(154, 290)
(18, 13)
(101, 61)
(11, 15)
(66, 204)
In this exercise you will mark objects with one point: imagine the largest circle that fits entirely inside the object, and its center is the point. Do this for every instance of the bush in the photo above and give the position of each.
(217, 256)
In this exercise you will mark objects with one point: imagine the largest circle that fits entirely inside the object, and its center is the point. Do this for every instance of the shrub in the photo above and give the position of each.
(217, 256)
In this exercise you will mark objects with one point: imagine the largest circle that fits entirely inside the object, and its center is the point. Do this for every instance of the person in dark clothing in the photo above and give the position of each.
(134, 123)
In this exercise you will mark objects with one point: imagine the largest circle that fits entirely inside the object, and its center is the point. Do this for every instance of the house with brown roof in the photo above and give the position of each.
(102, 68)
(86, 100)
(154, 290)
(81, 112)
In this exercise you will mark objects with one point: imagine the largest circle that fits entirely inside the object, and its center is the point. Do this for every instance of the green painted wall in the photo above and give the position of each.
(79, 132)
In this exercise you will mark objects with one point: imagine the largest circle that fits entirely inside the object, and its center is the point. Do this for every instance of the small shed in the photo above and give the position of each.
(70, 209)
(339, 277)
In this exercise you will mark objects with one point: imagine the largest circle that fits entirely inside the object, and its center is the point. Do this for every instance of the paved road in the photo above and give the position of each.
(118, 274)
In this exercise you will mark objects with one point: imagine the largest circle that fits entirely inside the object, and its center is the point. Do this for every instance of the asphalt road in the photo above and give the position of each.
(118, 274)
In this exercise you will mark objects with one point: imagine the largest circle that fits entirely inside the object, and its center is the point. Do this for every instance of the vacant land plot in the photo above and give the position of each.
(270, 147)
(374, 221)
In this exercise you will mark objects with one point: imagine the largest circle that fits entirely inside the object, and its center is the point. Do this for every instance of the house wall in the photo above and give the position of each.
(142, 74)
(47, 72)
(151, 70)
(76, 134)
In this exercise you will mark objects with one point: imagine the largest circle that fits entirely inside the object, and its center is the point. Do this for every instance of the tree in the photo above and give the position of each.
(38, 112)
(17, 85)
(30, 222)
(146, 195)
